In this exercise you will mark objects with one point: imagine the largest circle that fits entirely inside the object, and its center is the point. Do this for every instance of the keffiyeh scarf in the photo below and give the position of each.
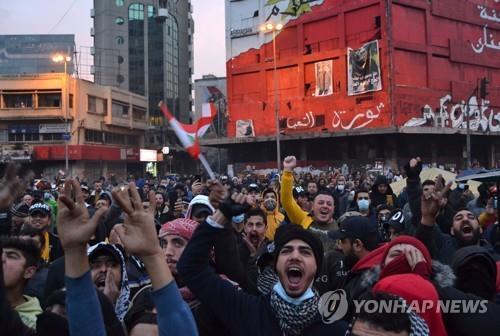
(294, 317)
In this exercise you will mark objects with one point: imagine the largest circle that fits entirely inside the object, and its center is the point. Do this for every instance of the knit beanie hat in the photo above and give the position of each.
(290, 232)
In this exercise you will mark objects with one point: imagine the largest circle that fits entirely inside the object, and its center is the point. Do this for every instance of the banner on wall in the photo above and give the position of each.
(244, 128)
(324, 78)
(363, 71)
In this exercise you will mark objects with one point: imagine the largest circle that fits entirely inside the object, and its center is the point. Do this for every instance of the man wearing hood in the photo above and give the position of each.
(108, 272)
(271, 207)
(381, 193)
(476, 271)
(199, 208)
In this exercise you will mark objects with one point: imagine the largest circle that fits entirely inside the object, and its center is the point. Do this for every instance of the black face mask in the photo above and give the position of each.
(50, 324)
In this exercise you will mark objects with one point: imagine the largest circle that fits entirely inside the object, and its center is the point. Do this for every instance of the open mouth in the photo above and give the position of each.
(100, 283)
(467, 228)
(294, 274)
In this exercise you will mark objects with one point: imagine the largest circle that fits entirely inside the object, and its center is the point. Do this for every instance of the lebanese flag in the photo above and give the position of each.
(189, 134)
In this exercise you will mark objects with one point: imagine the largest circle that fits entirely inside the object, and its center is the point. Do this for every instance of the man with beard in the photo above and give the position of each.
(358, 237)
(174, 237)
(465, 230)
(40, 215)
(320, 219)
(292, 306)
(253, 238)
(109, 274)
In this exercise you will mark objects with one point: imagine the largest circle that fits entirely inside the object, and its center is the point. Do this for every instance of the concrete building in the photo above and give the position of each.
(104, 126)
(29, 54)
(363, 81)
(146, 47)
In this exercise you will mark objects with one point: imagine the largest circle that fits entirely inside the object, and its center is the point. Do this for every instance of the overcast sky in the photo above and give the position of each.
(41, 17)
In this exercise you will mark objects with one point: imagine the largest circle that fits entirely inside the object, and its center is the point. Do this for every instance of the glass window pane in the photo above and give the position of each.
(120, 40)
(119, 3)
(119, 20)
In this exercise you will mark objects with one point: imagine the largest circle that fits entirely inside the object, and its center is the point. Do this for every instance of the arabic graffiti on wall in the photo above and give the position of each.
(481, 116)
(360, 120)
(488, 38)
(307, 122)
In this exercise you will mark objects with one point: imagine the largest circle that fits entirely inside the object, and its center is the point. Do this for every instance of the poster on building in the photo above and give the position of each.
(363, 72)
(324, 78)
(244, 128)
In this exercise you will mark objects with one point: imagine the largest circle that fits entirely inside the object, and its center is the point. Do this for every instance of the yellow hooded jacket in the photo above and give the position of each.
(274, 218)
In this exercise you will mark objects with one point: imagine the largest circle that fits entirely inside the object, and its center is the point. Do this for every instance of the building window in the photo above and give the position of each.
(18, 100)
(120, 79)
(52, 136)
(119, 3)
(120, 60)
(119, 40)
(119, 109)
(71, 97)
(151, 11)
(4, 135)
(93, 136)
(119, 20)
(49, 99)
(138, 113)
(136, 11)
(115, 138)
(92, 104)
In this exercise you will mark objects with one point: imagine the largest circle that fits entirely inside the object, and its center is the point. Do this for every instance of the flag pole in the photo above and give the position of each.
(205, 164)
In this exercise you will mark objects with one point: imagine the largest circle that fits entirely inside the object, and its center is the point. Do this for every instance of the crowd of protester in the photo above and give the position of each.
(249, 255)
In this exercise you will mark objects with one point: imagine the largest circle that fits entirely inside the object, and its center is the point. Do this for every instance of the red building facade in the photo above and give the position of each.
(424, 60)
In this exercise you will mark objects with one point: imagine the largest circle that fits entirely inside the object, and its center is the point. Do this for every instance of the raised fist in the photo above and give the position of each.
(289, 163)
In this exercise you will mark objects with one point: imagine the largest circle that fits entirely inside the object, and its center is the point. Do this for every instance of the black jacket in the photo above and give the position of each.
(242, 313)
(484, 322)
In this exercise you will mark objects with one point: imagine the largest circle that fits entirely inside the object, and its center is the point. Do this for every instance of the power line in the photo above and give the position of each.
(64, 15)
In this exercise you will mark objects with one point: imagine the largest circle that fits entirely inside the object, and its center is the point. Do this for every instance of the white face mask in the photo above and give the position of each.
(340, 187)
(363, 205)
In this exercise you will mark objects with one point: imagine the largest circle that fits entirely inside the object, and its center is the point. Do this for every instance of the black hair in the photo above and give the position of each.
(324, 192)
(395, 321)
(27, 247)
(370, 242)
(256, 212)
(428, 182)
(383, 206)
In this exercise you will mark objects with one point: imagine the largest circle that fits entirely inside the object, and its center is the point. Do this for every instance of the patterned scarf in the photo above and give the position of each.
(294, 318)
(266, 280)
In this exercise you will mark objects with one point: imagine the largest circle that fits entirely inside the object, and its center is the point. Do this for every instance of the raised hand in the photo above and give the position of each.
(110, 288)
(11, 186)
(413, 167)
(289, 163)
(196, 187)
(413, 256)
(217, 193)
(430, 206)
(137, 233)
(73, 224)
(236, 205)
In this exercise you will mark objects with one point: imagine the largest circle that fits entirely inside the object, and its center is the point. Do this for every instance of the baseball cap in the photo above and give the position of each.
(253, 187)
(199, 209)
(39, 207)
(355, 227)
(105, 249)
(396, 220)
(298, 191)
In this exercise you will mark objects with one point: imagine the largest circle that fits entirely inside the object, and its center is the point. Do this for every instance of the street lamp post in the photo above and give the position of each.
(58, 59)
(272, 27)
